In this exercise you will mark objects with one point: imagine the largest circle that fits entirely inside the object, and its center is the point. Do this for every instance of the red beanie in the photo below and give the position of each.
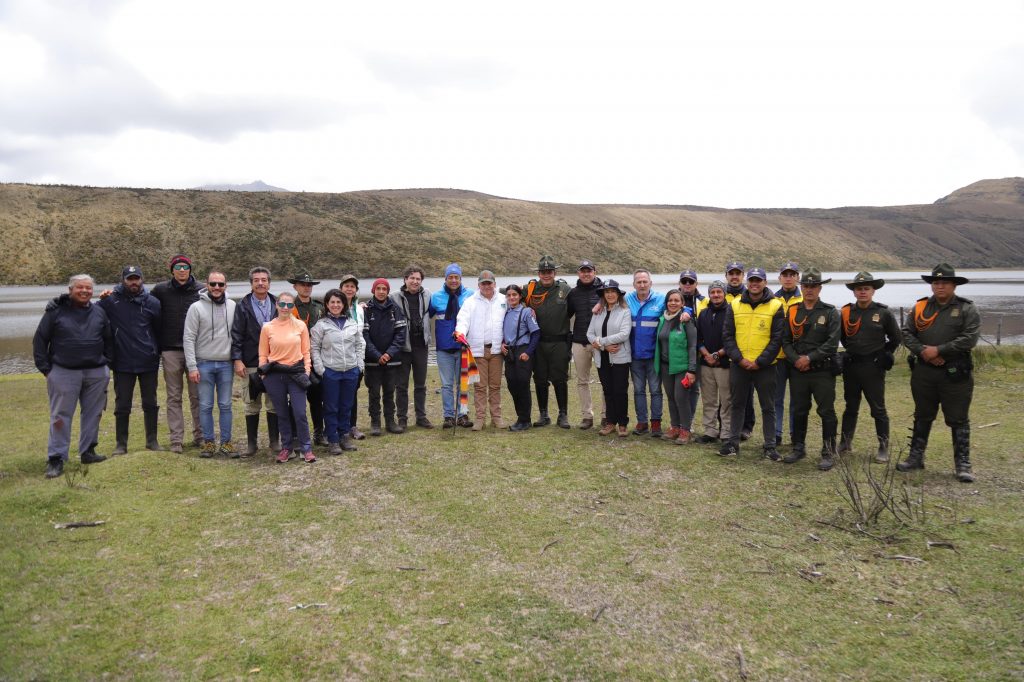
(181, 259)
(378, 281)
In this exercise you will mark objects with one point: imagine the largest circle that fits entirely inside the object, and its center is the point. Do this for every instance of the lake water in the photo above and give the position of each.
(998, 293)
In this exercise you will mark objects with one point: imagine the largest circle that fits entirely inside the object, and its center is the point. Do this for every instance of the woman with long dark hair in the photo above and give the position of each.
(520, 336)
(337, 347)
(608, 335)
(675, 357)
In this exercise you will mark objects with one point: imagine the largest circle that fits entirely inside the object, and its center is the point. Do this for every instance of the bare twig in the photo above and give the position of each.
(550, 544)
(940, 543)
(883, 601)
(411, 568)
(741, 661)
(903, 557)
(299, 607)
(632, 558)
(78, 524)
(511, 471)
(814, 537)
(622, 475)
(985, 426)
(600, 609)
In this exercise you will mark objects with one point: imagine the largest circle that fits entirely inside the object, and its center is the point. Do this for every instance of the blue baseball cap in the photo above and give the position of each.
(687, 274)
(790, 265)
(453, 269)
(734, 265)
(756, 272)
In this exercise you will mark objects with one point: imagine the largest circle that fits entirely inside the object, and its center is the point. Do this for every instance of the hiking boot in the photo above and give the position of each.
(655, 428)
(845, 445)
(563, 420)
(728, 449)
(208, 450)
(586, 423)
(745, 434)
(90, 457)
(771, 453)
(228, 450)
(283, 456)
(607, 430)
(478, 425)
(778, 440)
(682, 438)
(519, 426)
(334, 449)
(882, 456)
(498, 423)
(176, 448)
(826, 463)
(543, 419)
(347, 445)
(356, 434)
(464, 421)
(308, 457)
(392, 427)
(424, 423)
(672, 433)
(54, 467)
(640, 429)
(623, 432)
(318, 438)
(799, 452)
(375, 430)
(449, 423)
(705, 439)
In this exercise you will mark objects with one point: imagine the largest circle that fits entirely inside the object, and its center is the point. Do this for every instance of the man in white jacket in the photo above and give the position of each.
(207, 347)
(480, 323)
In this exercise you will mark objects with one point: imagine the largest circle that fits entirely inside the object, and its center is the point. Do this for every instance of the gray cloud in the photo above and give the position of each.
(434, 72)
(998, 99)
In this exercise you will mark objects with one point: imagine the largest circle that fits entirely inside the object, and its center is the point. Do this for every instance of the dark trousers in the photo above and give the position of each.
(551, 364)
(867, 379)
(414, 361)
(355, 404)
(315, 398)
(679, 411)
(931, 389)
(382, 377)
(820, 385)
(742, 384)
(287, 395)
(339, 389)
(615, 383)
(124, 390)
(517, 376)
(749, 418)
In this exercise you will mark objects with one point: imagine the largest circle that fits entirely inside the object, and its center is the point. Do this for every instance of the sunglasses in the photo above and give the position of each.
(687, 281)
(182, 266)
(286, 306)
(217, 285)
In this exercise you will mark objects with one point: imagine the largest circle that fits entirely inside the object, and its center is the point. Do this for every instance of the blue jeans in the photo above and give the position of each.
(645, 375)
(215, 375)
(339, 390)
(782, 371)
(449, 366)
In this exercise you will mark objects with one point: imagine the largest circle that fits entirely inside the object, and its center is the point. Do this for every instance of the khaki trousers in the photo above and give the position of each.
(175, 380)
(252, 407)
(488, 391)
(583, 359)
(717, 400)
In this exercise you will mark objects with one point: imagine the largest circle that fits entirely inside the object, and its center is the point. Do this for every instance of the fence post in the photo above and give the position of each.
(999, 330)
(901, 317)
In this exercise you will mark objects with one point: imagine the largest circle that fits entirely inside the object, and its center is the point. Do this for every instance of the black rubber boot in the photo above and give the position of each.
(150, 420)
(121, 422)
(54, 467)
(273, 433)
(962, 453)
(543, 419)
(882, 456)
(918, 444)
(252, 430)
(562, 398)
(90, 456)
(798, 453)
(828, 453)
(846, 443)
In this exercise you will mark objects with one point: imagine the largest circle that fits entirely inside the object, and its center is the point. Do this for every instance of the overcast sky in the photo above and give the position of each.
(732, 104)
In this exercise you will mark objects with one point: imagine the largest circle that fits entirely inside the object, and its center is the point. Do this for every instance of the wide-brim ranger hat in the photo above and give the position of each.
(813, 276)
(610, 284)
(865, 278)
(302, 278)
(547, 263)
(944, 272)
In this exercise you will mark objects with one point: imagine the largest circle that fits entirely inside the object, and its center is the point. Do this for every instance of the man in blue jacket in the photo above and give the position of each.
(444, 308)
(72, 347)
(135, 322)
(646, 307)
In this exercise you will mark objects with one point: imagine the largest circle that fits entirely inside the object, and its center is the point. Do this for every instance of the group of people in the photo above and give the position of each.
(291, 350)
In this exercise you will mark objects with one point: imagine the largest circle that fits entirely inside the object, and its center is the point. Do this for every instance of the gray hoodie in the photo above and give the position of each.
(208, 331)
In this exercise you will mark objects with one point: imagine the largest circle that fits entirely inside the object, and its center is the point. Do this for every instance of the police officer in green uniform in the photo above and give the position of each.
(310, 310)
(870, 335)
(940, 333)
(810, 339)
(547, 296)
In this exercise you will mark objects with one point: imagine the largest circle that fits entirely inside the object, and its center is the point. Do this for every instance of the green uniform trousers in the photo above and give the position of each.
(822, 386)
(865, 378)
(930, 386)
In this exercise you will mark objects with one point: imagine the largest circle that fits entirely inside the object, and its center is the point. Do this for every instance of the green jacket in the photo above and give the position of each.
(955, 328)
(871, 330)
(551, 306)
(682, 346)
(818, 335)
(310, 313)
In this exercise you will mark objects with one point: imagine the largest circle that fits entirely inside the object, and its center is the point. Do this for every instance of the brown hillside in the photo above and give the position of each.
(51, 232)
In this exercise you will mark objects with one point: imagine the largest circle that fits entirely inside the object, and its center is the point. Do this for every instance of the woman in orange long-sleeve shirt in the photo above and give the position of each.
(285, 365)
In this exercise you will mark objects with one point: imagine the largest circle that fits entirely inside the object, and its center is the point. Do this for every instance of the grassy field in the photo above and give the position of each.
(549, 554)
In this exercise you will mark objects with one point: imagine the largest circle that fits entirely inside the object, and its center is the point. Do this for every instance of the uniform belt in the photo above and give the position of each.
(553, 339)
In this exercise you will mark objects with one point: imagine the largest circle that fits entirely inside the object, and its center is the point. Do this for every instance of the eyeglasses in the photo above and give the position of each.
(182, 266)
(286, 306)
(687, 281)
(217, 285)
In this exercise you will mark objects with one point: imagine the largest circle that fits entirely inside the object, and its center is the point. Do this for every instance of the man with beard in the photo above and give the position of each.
(255, 309)
(176, 295)
(310, 310)
(135, 322)
(581, 301)
(72, 347)
(414, 301)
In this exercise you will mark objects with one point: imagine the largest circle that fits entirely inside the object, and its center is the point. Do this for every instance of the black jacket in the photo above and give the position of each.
(245, 331)
(710, 324)
(581, 301)
(384, 327)
(175, 300)
(74, 338)
(135, 323)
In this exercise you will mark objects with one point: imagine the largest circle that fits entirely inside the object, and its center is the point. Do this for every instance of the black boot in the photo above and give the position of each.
(543, 419)
(845, 443)
(121, 434)
(882, 456)
(375, 426)
(54, 467)
(90, 456)
(828, 452)
(273, 433)
(150, 420)
(562, 398)
(252, 430)
(918, 443)
(962, 453)
(542, 405)
(798, 453)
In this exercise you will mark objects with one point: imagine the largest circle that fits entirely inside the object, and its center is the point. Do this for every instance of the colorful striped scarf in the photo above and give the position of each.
(469, 375)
